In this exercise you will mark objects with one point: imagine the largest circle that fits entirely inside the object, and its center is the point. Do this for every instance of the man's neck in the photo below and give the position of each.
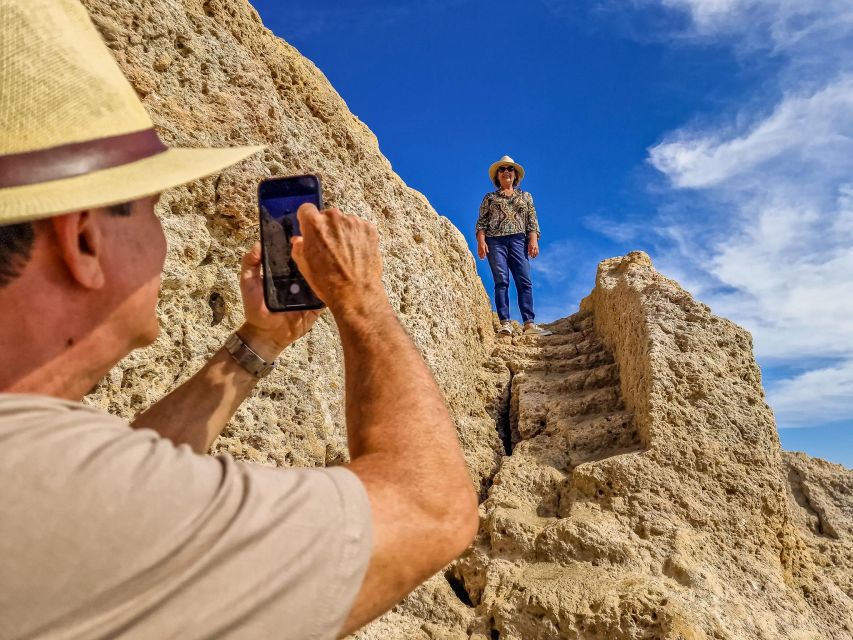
(50, 349)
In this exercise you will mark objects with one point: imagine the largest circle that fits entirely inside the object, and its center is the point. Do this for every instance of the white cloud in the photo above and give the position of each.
(788, 277)
(707, 14)
(811, 130)
(553, 262)
(794, 401)
(618, 231)
(775, 24)
(774, 248)
(805, 27)
(559, 280)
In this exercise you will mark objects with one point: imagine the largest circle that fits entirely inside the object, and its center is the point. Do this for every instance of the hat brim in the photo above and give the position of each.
(120, 184)
(493, 170)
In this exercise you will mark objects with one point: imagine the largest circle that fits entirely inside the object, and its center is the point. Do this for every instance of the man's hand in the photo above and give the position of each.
(343, 266)
(533, 245)
(267, 332)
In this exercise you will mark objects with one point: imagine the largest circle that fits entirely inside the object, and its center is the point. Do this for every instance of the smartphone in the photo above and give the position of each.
(285, 289)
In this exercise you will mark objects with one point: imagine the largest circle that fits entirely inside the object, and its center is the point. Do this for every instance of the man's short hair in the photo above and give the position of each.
(16, 244)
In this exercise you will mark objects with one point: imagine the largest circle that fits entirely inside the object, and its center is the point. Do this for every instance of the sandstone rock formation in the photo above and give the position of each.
(646, 495)
(633, 485)
(210, 73)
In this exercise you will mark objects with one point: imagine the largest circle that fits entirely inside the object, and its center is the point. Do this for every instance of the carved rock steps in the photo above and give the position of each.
(565, 410)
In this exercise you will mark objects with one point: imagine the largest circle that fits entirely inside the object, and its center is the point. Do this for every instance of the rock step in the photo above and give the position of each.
(532, 411)
(571, 337)
(565, 410)
(564, 383)
(598, 436)
(531, 491)
(575, 322)
(568, 365)
(559, 351)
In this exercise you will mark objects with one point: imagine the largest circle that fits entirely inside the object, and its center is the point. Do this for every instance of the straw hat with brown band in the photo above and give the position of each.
(506, 161)
(73, 133)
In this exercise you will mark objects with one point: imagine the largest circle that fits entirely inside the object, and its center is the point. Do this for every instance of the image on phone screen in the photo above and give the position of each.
(284, 286)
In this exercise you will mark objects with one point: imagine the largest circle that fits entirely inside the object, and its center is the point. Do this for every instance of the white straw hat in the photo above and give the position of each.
(503, 162)
(73, 133)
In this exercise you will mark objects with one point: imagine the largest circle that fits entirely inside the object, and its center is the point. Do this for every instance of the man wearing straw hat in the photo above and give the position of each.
(109, 530)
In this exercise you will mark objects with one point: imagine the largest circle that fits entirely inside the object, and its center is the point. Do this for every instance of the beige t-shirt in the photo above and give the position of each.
(107, 531)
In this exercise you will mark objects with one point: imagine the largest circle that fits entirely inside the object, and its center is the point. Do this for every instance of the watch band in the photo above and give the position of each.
(248, 359)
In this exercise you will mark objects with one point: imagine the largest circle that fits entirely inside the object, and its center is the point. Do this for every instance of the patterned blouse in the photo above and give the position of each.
(502, 215)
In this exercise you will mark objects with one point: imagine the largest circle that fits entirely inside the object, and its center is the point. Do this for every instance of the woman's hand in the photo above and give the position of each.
(482, 247)
(267, 333)
(533, 245)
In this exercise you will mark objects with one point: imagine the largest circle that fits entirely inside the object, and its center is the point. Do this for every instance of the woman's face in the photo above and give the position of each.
(506, 176)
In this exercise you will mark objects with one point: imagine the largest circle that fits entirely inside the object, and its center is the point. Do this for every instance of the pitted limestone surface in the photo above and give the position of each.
(566, 411)
(644, 494)
(211, 74)
(631, 475)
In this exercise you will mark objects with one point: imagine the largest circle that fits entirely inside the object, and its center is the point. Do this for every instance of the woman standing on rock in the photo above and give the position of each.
(508, 233)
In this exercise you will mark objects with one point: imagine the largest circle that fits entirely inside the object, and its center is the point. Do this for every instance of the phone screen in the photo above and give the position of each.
(285, 289)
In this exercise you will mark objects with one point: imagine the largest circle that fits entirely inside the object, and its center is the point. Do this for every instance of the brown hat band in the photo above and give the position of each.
(77, 159)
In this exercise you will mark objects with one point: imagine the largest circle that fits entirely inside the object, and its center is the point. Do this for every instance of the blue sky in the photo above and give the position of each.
(717, 135)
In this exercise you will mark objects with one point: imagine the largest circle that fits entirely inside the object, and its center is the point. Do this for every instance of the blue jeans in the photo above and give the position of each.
(509, 254)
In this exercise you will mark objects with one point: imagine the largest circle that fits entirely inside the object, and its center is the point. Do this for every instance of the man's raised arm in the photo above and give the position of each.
(196, 412)
(402, 441)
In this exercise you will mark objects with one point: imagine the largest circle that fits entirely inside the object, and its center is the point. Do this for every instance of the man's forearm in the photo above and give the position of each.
(404, 449)
(402, 441)
(393, 404)
(196, 412)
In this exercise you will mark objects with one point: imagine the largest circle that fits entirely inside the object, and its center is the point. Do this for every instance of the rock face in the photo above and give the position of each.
(211, 74)
(632, 481)
(646, 495)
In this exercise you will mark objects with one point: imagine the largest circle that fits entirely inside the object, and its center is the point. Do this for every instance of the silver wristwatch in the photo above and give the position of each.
(248, 359)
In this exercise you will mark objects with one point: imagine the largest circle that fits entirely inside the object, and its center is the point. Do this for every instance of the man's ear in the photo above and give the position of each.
(80, 240)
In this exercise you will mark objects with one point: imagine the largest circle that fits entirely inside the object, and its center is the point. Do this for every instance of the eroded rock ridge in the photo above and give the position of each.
(631, 476)
(211, 74)
(644, 493)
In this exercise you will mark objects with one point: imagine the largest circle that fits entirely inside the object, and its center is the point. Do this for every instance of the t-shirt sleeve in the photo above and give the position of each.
(130, 535)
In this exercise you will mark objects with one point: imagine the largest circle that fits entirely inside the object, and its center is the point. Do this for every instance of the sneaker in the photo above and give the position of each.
(506, 328)
(531, 329)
